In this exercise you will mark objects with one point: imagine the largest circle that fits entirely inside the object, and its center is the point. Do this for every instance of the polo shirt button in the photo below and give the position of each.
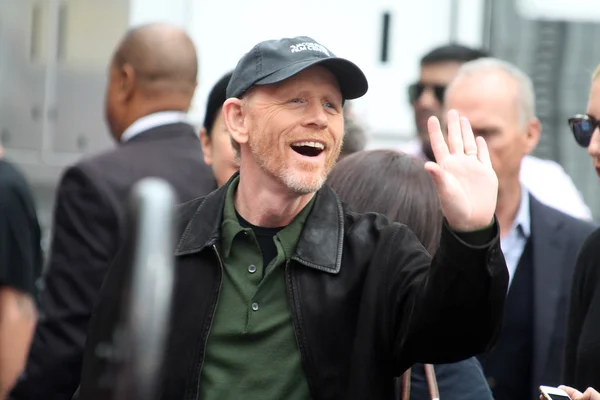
(252, 269)
(255, 306)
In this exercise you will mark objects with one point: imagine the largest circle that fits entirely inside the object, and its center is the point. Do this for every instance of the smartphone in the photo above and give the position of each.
(552, 393)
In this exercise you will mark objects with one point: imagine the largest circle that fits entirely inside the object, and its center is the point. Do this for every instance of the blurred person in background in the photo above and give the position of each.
(540, 244)
(546, 179)
(20, 267)
(152, 79)
(355, 137)
(396, 185)
(426, 96)
(582, 356)
(216, 143)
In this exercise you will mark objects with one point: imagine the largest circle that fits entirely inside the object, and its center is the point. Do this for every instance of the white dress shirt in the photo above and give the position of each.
(513, 243)
(152, 121)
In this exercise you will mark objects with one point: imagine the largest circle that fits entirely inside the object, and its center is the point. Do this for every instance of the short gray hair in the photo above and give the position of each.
(526, 95)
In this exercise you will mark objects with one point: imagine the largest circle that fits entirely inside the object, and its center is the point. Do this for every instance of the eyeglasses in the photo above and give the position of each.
(416, 90)
(583, 127)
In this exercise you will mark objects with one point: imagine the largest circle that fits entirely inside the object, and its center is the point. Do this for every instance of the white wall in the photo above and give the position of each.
(170, 11)
(224, 31)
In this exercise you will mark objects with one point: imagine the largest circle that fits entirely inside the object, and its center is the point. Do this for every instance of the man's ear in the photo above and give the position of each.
(127, 81)
(206, 147)
(236, 120)
(534, 131)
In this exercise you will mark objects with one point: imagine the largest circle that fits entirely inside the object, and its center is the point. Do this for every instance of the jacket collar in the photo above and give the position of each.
(319, 246)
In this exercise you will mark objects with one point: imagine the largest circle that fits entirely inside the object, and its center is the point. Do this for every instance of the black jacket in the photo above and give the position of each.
(88, 222)
(582, 357)
(366, 301)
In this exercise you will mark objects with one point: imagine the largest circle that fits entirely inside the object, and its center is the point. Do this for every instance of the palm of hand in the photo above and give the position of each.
(465, 180)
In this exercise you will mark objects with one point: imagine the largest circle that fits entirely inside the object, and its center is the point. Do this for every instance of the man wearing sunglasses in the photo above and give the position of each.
(546, 179)
(426, 96)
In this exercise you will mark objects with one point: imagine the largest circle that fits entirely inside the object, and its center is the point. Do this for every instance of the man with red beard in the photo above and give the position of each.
(281, 291)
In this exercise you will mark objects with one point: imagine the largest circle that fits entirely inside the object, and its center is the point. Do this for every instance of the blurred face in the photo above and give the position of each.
(295, 129)
(428, 93)
(488, 100)
(218, 151)
(593, 109)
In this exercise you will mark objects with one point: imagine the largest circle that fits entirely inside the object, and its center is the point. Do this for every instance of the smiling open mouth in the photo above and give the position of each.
(308, 149)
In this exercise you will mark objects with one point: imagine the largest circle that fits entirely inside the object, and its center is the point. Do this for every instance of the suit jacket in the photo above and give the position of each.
(88, 219)
(557, 239)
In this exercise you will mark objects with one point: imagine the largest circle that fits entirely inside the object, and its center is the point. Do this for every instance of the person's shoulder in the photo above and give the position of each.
(10, 174)
(588, 265)
(533, 167)
(371, 225)
(575, 229)
(100, 160)
(13, 183)
(571, 222)
(591, 246)
(574, 224)
(97, 167)
(537, 162)
(185, 212)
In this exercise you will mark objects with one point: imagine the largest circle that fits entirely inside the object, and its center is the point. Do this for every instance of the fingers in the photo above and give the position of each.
(437, 175)
(468, 138)
(461, 139)
(590, 394)
(438, 144)
(455, 140)
(483, 153)
(573, 393)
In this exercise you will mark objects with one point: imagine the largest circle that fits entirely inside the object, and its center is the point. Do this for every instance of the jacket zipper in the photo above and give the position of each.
(303, 352)
(212, 317)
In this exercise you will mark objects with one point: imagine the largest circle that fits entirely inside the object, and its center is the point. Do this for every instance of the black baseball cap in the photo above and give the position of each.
(273, 61)
(216, 98)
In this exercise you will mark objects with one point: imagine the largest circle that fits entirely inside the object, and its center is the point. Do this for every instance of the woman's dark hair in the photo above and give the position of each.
(393, 184)
(216, 98)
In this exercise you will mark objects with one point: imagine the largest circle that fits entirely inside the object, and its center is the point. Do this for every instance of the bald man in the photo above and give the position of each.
(152, 79)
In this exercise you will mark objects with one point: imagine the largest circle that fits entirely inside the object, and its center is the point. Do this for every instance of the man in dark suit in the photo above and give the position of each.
(151, 85)
(540, 243)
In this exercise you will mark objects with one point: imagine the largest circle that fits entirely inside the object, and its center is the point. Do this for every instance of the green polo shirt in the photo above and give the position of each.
(252, 351)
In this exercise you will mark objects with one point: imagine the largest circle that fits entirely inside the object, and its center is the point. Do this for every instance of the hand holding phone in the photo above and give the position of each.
(552, 393)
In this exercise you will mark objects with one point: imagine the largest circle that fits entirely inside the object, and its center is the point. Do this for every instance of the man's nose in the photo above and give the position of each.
(427, 99)
(317, 115)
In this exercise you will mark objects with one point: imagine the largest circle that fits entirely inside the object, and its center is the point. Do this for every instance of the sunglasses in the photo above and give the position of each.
(416, 90)
(583, 127)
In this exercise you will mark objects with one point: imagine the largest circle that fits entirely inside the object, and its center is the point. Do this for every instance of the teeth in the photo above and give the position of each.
(316, 145)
